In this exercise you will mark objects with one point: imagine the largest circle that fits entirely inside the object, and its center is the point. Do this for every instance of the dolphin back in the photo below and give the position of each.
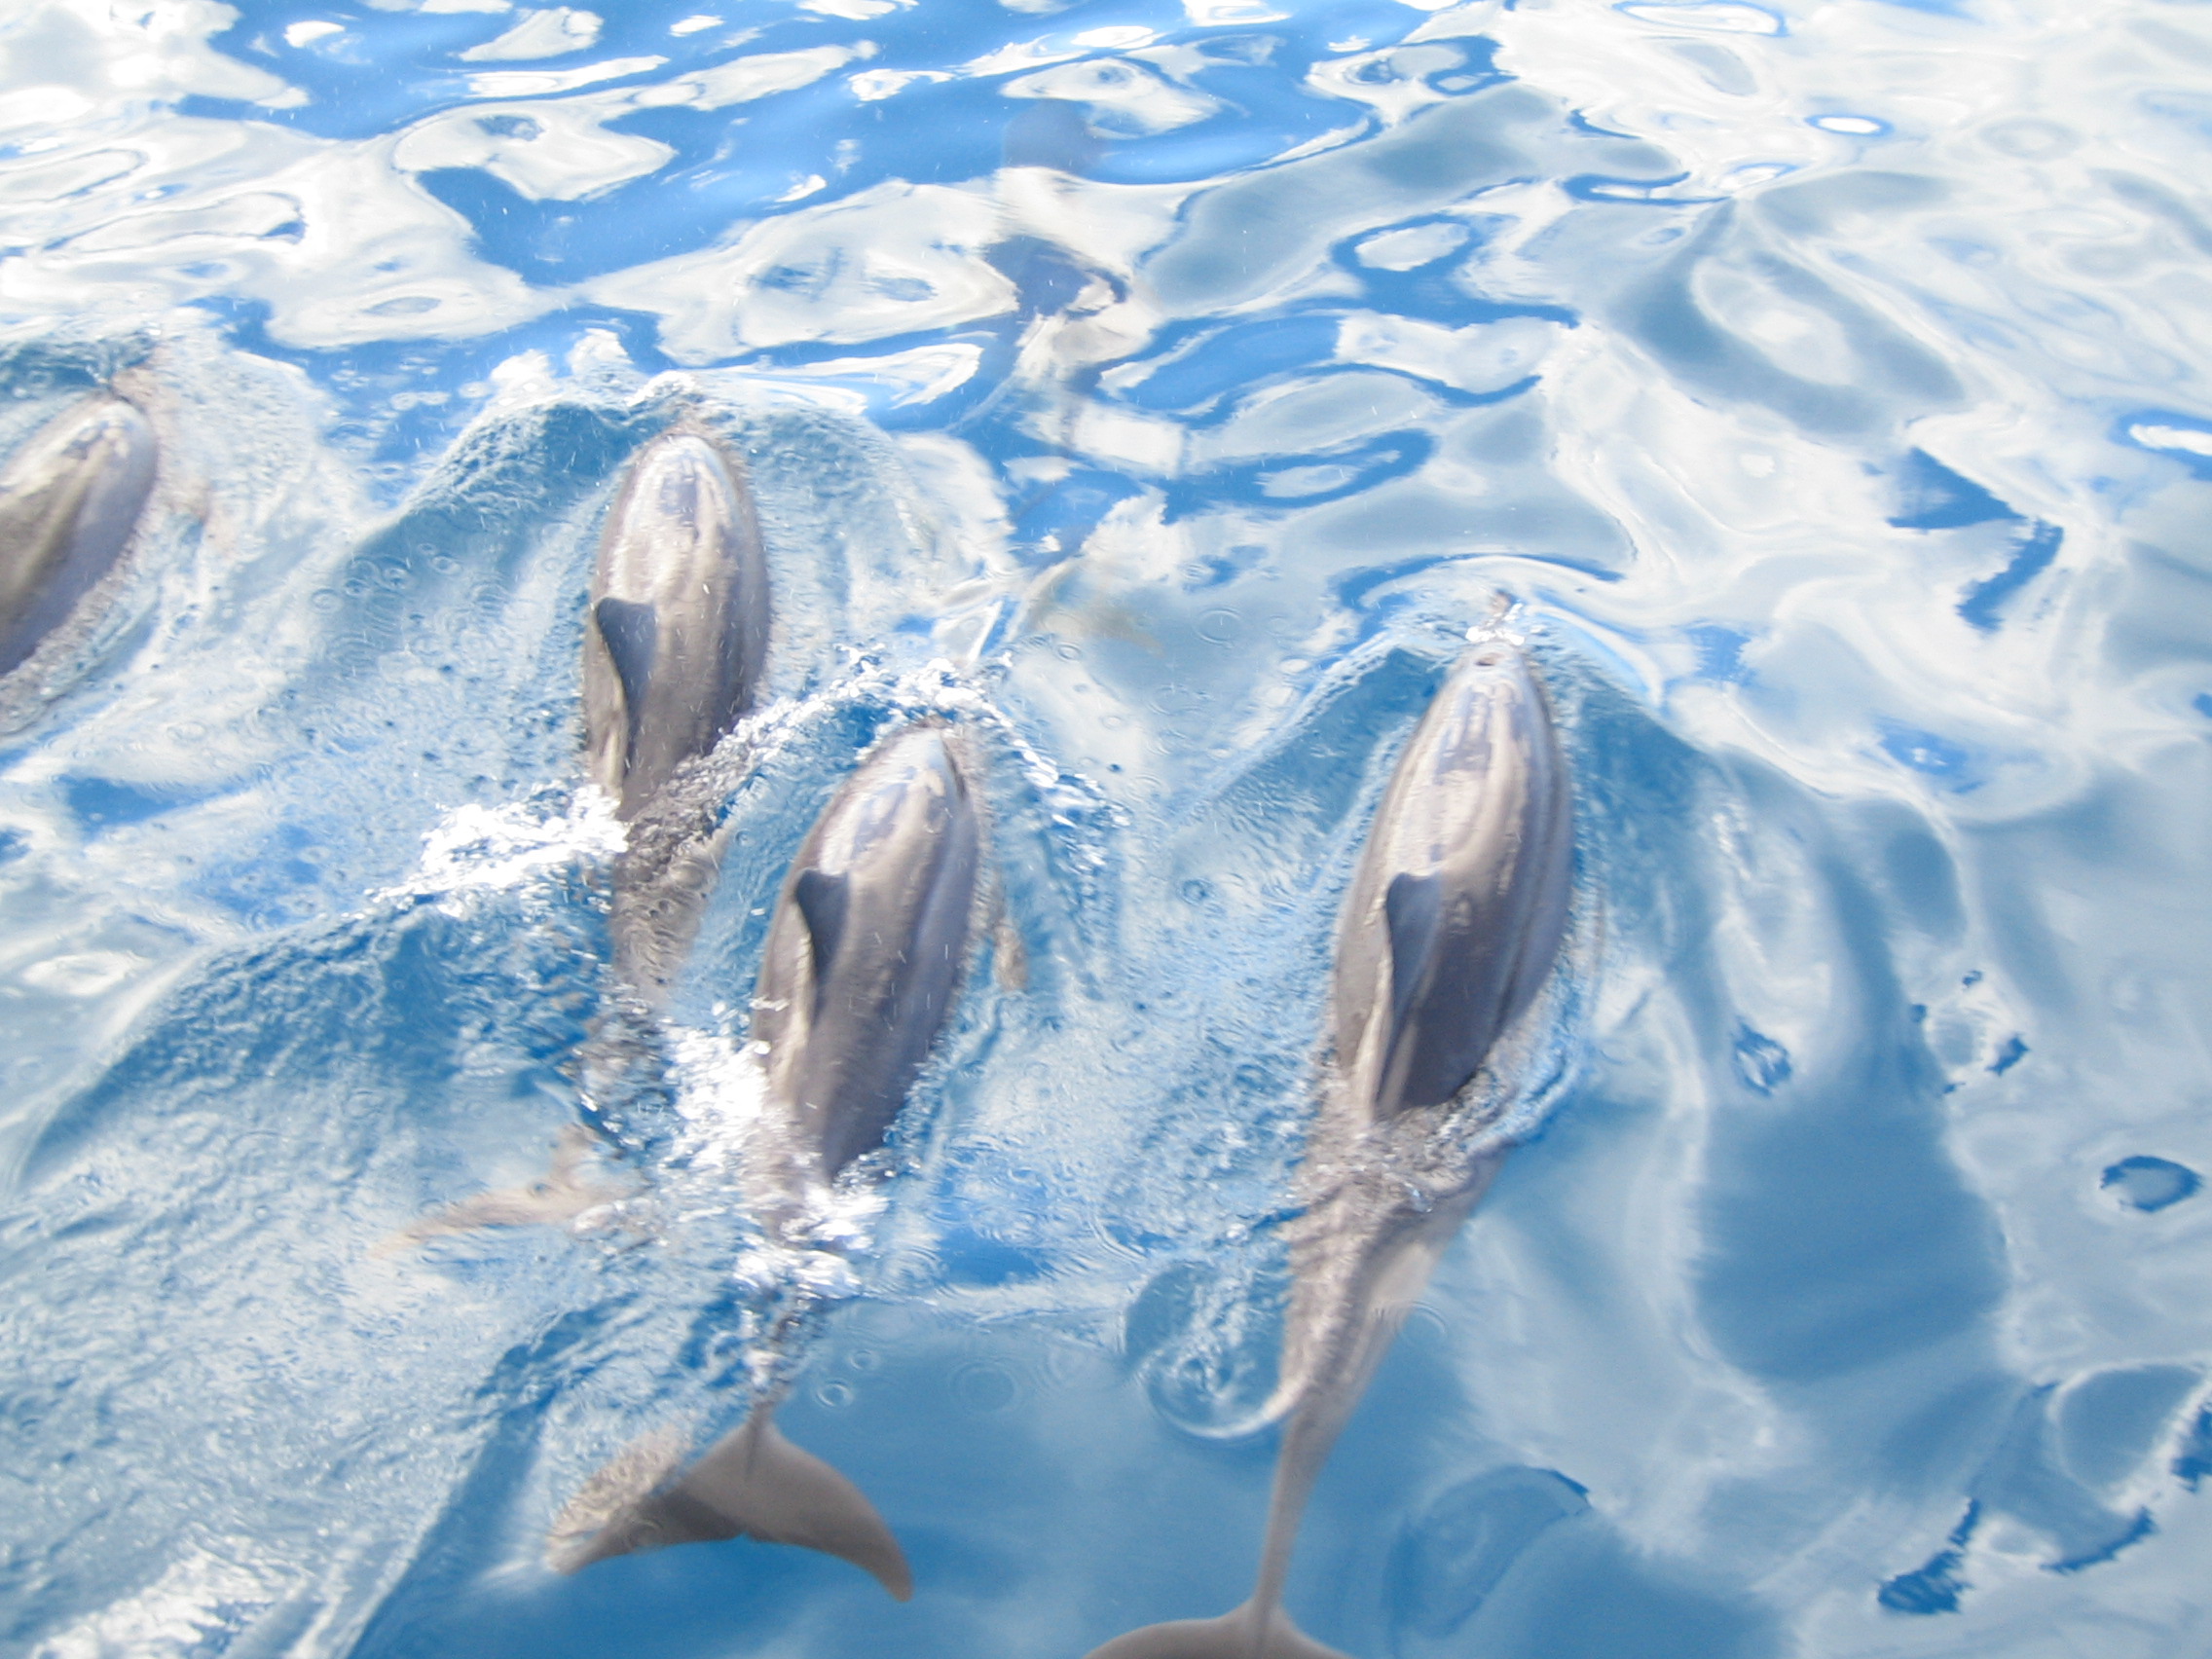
(678, 635)
(1243, 1634)
(70, 501)
(868, 943)
(1461, 904)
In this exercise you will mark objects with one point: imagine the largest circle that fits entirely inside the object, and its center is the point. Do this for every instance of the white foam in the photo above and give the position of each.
(480, 849)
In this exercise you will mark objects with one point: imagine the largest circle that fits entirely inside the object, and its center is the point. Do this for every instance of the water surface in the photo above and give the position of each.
(1162, 393)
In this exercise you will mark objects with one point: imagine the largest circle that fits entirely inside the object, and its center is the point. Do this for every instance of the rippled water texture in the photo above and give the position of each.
(1161, 393)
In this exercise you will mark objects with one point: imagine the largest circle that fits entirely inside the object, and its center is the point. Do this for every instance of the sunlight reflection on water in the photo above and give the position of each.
(1161, 390)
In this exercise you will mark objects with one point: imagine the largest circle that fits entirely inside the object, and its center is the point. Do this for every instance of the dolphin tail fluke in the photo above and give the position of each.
(1245, 1633)
(755, 1484)
(765, 1487)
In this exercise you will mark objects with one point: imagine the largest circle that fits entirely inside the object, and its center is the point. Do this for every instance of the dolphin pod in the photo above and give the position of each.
(69, 502)
(1453, 925)
(867, 948)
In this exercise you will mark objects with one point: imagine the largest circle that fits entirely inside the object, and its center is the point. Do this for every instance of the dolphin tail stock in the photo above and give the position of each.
(1352, 1292)
(753, 1483)
(1247, 1633)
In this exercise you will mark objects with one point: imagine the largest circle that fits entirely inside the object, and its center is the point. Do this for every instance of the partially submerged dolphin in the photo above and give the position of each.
(677, 637)
(867, 946)
(1452, 928)
(70, 501)
(676, 647)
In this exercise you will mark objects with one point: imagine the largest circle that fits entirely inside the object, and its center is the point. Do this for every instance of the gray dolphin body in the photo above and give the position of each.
(676, 643)
(70, 501)
(675, 649)
(866, 949)
(1453, 925)
(679, 634)
(864, 954)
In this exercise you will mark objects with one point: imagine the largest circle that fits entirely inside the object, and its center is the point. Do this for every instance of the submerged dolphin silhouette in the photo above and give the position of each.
(69, 501)
(866, 951)
(1453, 925)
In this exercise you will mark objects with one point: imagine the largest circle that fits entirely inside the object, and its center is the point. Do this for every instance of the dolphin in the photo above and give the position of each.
(678, 639)
(864, 954)
(1453, 925)
(676, 647)
(70, 501)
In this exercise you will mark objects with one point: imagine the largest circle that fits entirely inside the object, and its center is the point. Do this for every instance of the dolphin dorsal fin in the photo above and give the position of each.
(628, 629)
(821, 900)
(1413, 910)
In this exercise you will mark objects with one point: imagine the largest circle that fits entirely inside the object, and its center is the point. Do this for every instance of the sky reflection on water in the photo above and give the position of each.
(1827, 380)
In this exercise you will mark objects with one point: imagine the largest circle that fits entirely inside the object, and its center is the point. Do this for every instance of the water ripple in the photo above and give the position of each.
(1159, 390)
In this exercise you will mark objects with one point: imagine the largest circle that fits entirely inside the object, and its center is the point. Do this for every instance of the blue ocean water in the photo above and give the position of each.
(1161, 391)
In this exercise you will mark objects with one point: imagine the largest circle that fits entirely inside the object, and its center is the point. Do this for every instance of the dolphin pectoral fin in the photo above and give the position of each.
(1243, 1634)
(821, 899)
(755, 1484)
